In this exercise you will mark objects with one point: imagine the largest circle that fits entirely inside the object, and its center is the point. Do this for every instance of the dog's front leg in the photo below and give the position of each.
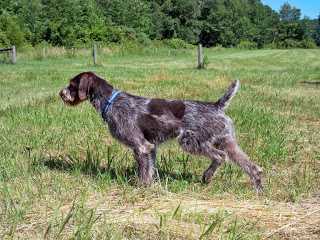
(144, 155)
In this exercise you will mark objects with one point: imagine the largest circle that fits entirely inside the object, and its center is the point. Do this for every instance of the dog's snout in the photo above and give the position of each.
(65, 94)
(64, 91)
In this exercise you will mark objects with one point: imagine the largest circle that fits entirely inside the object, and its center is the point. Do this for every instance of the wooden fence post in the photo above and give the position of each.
(200, 57)
(44, 52)
(13, 55)
(94, 53)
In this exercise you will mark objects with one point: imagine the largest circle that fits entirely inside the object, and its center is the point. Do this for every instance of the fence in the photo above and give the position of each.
(200, 57)
(13, 53)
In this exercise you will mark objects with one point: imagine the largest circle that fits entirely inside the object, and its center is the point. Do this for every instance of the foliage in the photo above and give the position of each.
(289, 13)
(205, 61)
(316, 34)
(176, 43)
(227, 23)
(135, 14)
(272, 45)
(308, 43)
(10, 31)
(245, 44)
(289, 43)
(4, 41)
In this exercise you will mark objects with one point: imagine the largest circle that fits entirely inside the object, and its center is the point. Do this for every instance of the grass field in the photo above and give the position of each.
(63, 177)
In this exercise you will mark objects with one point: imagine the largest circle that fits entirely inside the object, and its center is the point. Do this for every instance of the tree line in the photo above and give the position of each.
(227, 23)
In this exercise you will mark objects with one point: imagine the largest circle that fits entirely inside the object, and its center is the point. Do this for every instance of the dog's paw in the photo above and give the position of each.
(145, 182)
(257, 183)
(207, 177)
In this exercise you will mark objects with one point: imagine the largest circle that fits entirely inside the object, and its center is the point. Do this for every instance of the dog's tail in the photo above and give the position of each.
(224, 101)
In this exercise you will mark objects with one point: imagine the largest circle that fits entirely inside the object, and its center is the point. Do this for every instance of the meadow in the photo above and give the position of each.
(62, 176)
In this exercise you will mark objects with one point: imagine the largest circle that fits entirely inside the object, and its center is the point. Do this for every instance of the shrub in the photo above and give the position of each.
(272, 45)
(289, 43)
(4, 41)
(143, 39)
(205, 61)
(114, 34)
(10, 31)
(246, 44)
(130, 47)
(218, 47)
(176, 43)
(308, 43)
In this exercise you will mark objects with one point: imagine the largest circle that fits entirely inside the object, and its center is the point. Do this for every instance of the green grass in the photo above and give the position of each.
(63, 176)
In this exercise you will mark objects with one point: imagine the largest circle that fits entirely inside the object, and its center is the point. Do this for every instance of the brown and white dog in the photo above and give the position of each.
(142, 124)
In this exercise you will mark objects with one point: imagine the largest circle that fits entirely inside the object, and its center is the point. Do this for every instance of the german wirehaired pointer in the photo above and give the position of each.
(142, 124)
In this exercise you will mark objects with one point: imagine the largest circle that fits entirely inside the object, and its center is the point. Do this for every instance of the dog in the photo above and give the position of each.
(140, 123)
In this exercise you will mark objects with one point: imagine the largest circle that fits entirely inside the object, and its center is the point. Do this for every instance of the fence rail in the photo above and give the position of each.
(5, 49)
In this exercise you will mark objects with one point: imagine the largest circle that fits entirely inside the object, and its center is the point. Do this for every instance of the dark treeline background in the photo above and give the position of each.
(227, 23)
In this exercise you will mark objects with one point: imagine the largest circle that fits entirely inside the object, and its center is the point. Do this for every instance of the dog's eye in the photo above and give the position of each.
(72, 88)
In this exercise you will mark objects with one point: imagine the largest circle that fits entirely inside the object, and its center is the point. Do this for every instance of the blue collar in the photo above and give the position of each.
(108, 102)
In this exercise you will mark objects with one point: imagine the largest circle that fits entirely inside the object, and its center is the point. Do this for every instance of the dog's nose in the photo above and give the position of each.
(63, 92)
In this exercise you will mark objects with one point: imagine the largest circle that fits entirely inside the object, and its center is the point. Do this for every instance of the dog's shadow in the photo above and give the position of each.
(123, 174)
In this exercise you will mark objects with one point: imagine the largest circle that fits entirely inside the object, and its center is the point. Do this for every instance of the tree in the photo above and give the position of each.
(11, 32)
(185, 14)
(266, 22)
(30, 12)
(212, 22)
(289, 13)
(176, 19)
(135, 14)
(68, 22)
(293, 32)
(218, 24)
(316, 35)
(229, 22)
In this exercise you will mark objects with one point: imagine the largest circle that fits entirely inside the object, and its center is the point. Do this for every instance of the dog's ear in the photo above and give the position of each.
(84, 86)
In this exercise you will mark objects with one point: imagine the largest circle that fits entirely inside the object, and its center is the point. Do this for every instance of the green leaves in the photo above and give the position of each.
(73, 23)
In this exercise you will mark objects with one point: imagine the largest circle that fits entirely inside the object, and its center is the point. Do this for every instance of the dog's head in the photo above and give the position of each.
(78, 89)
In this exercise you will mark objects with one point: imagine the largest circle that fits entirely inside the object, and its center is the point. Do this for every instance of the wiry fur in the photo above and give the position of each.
(224, 101)
(142, 124)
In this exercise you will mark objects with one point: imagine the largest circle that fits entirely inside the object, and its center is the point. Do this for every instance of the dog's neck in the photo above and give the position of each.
(99, 93)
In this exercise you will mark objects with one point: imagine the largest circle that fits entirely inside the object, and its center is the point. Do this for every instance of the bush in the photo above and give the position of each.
(130, 46)
(176, 43)
(143, 39)
(205, 61)
(4, 41)
(272, 45)
(10, 31)
(114, 34)
(308, 43)
(246, 44)
(218, 47)
(289, 43)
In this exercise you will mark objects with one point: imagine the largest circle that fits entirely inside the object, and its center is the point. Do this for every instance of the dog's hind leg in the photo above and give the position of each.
(217, 157)
(239, 157)
(190, 142)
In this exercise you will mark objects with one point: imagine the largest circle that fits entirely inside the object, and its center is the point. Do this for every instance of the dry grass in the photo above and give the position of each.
(283, 220)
